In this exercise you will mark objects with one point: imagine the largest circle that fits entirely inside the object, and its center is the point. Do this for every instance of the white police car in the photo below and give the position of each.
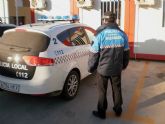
(44, 58)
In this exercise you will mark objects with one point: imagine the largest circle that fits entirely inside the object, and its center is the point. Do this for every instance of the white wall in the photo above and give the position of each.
(55, 7)
(4, 14)
(91, 17)
(149, 33)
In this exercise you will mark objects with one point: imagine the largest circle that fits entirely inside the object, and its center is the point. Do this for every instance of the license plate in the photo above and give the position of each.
(9, 86)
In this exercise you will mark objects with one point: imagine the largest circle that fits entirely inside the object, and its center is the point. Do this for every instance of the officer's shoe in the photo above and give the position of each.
(99, 115)
(118, 111)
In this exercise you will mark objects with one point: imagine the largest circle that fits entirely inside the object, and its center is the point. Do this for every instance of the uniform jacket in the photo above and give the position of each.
(109, 52)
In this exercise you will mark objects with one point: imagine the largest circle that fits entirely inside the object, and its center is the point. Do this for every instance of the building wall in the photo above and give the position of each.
(54, 8)
(22, 12)
(149, 33)
(92, 17)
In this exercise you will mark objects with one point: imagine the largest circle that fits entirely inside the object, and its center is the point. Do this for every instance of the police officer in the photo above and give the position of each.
(109, 55)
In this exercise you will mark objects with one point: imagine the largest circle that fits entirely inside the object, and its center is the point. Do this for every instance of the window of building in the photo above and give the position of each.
(111, 5)
(163, 23)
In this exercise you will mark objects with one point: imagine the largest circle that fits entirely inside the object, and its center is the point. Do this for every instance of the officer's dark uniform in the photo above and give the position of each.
(109, 54)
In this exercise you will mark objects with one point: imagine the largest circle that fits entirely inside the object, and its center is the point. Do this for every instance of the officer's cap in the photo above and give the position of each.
(110, 16)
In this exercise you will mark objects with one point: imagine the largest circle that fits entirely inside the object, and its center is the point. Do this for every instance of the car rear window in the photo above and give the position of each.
(31, 40)
(4, 28)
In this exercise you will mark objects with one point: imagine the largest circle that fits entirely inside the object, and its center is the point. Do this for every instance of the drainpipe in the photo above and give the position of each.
(16, 10)
(4, 12)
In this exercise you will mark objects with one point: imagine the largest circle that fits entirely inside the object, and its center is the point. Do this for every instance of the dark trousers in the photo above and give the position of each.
(102, 92)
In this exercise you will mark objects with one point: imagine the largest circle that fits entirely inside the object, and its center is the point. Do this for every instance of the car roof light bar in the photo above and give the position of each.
(72, 19)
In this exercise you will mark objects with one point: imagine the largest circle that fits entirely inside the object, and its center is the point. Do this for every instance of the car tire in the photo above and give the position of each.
(71, 85)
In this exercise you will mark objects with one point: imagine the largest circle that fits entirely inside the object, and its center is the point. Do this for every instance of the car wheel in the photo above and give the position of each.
(71, 85)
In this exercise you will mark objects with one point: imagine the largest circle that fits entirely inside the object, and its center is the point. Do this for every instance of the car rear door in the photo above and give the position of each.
(80, 40)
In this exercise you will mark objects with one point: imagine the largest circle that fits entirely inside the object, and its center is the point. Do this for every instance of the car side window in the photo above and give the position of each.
(73, 37)
(64, 37)
(90, 33)
(78, 36)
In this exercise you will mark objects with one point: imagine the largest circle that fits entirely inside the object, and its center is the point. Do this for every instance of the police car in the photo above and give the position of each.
(45, 58)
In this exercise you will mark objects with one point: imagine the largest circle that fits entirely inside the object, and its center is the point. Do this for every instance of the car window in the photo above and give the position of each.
(73, 37)
(90, 33)
(78, 36)
(4, 27)
(64, 37)
(32, 40)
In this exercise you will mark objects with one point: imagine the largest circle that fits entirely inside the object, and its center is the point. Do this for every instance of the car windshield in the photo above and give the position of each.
(32, 40)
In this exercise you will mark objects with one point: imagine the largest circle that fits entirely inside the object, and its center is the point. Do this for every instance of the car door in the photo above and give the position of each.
(78, 41)
(81, 42)
(86, 34)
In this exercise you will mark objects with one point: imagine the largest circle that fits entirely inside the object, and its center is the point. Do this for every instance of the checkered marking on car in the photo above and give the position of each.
(69, 57)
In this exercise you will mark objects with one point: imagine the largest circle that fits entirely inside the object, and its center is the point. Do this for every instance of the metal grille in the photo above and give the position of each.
(111, 5)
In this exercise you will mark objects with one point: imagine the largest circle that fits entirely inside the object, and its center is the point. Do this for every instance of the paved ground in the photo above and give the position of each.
(143, 86)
